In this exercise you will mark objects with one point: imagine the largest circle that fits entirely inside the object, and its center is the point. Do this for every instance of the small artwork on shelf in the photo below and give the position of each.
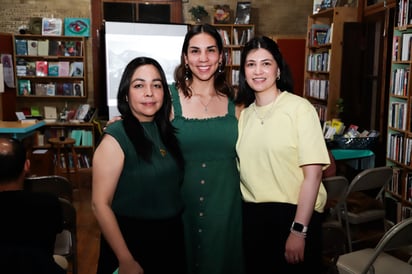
(222, 14)
(51, 26)
(243, 12)
(77, 27)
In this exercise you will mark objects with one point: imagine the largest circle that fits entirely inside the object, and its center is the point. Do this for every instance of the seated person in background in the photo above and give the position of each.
(29, 221)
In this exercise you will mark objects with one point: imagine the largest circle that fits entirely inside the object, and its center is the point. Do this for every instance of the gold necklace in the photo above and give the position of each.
(155, 141)
(262, 119)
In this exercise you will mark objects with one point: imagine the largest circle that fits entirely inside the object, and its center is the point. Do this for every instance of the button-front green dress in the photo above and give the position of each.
(211, 192)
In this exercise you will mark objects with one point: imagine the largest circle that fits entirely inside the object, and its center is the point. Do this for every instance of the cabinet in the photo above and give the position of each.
(83, 133)
(234, 36)
(325, 66)
(399, 139)
(50, 66)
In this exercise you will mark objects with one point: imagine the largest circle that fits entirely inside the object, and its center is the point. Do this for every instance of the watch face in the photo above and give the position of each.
(297, 227)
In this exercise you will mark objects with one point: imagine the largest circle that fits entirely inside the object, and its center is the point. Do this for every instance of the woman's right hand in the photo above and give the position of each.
(130, 267)
(111, 121)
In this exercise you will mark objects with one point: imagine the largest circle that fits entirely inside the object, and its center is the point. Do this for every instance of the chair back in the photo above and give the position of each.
(371, 178)
(398, 236)
(58, 185)
(335, 186)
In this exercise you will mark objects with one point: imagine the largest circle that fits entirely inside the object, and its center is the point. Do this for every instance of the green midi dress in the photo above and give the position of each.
(211, 192)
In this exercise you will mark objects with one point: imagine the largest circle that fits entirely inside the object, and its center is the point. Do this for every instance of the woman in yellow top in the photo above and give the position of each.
(281, 154)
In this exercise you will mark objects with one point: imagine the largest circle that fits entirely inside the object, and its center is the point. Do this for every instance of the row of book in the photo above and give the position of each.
(397, 115)
(27, 88)
(83, 160)
(396, 211)
(395, 150)
(321, 110)
(49, 68)
(404, 12)
(399, 85)
(239, 37)
(317, 88)
(48, 47)
(319, 61)
(82, 137)
(320, 34)
(401, 47)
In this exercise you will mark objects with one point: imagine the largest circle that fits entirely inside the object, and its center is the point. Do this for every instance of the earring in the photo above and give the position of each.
(220, 69)
(127, 99)
(187, 72)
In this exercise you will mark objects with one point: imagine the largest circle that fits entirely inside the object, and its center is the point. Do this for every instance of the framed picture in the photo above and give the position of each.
(243, 13)
(51, 26)
(77, 27)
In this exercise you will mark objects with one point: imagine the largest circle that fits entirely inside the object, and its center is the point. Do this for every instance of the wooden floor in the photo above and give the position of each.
(88, 232)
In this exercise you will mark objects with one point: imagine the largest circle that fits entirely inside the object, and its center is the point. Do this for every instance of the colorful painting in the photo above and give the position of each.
(77, 27)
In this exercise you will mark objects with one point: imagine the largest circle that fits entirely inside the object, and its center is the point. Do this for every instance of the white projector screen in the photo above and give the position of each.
(125, 41)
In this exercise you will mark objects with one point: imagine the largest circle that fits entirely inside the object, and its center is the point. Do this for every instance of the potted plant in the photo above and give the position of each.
(198, 13)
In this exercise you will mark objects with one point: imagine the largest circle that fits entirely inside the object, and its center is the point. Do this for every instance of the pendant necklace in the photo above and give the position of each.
(205, 106)
(156, 142)
(267, 114)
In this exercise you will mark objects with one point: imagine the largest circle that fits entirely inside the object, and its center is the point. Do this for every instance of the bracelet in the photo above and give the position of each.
(297, 233)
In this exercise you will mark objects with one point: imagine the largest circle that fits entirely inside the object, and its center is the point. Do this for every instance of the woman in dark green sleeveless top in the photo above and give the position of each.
(137, 175)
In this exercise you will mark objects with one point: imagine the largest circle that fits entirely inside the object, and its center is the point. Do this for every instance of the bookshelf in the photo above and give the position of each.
(399, 139)
(52, 67)
(324, 64)
(83, 133)
(234, 36)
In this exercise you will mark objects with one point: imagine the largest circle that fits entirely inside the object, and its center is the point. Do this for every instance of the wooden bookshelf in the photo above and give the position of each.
(399, 130)
(325, 62)
(234, 37)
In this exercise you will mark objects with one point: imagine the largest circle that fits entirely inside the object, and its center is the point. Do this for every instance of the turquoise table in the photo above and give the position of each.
(356, 158)
(18, 129)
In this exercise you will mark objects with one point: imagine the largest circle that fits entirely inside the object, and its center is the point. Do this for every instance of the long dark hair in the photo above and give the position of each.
(134, 129)
(180, 74)
(246, 94)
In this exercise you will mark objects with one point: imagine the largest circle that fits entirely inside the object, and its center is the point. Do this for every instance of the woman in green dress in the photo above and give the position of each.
(205, 118)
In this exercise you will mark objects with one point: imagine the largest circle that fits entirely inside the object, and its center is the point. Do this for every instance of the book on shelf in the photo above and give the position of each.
(76, 69)
(64, 68)
(54, 47)
(51, 89)
(68, 89)
(24, 87)
(41, 68)
(32, 47)
(53, 68)
(50, 114)
(21, 46)
(82, 111)
(21, 67)
(35, 111)
(406, 46)
(40, 89)
(72, 48)
(43, 47)
(59, 88)
(30, 68)
(78, 88)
